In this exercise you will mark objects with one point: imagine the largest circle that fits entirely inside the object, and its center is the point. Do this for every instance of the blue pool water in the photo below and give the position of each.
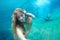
(41, 28)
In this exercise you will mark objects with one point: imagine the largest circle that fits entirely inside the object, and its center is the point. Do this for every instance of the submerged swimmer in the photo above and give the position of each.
(48, 17)
(19, 19)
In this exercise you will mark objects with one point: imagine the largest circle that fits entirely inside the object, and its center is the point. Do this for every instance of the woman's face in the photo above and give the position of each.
(21, 16)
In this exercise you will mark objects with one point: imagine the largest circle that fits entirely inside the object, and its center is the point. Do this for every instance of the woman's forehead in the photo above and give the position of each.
(19, 13)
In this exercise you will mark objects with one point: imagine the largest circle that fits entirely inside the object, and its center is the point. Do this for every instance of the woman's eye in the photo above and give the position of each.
(21, 15)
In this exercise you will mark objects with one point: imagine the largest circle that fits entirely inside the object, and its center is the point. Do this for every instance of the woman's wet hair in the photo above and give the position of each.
(19, 9)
